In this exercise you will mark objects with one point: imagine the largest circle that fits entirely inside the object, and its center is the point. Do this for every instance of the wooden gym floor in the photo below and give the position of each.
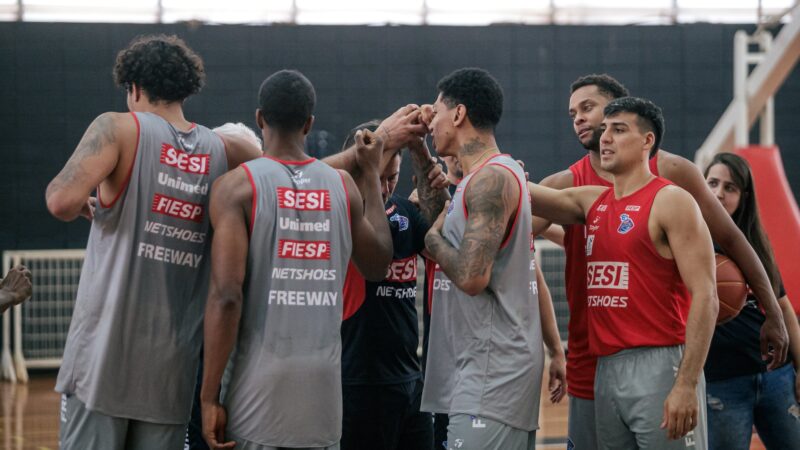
(29, 417)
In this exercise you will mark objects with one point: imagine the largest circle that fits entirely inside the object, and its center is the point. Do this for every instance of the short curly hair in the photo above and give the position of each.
(286, 99)
(606, 85)
(651, 118)
(163, 66)
(477, 90)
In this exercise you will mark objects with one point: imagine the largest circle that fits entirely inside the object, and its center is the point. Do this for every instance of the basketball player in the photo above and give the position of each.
(285, 225)
(381, 373)
(131, 353)
(645, 266)
(550, 334)
(485, 357)
(590, 94)
(15, 288)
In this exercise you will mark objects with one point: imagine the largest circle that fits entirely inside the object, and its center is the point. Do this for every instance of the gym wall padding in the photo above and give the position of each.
(779, 213)
(56, 77)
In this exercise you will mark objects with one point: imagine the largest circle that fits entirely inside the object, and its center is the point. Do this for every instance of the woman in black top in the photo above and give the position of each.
(740, 391)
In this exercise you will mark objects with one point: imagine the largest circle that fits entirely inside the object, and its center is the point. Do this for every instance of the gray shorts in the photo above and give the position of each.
(582, 434)
(244, 444)
(467, 432)
(82, 429)
(630, 388)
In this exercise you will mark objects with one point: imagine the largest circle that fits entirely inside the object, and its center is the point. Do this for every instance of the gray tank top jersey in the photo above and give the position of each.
(286, 388)
(133, 343)
(485, 355)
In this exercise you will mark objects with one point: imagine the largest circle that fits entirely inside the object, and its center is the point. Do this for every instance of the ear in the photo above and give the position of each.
(649, 140)
(260, 119)
(307, 127)
(460, 115)
(136, 91)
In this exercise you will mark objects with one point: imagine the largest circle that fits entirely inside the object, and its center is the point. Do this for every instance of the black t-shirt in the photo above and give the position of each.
(380, 339)
(736, 346)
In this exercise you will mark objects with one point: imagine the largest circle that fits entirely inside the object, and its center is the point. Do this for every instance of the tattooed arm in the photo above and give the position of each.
(429, 199)
(101, 161)
(491, 199)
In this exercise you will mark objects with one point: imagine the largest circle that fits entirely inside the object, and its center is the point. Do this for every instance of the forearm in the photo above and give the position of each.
(221, 327)
(699, 330)
(739, 250)
(430, 200)
(446, 256)
(793, 329)
(344, 160)
(550, 334)
(6, 301)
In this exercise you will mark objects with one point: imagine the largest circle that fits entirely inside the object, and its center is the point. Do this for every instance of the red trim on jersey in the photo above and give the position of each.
(291, 163)
(430, 271)
(255, 196)
(130, 170)
(354, 291)
(347, 196)
(192, 126)
(519, 205)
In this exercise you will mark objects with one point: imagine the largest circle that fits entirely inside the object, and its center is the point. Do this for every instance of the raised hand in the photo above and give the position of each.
(369, 150)
(399, 128)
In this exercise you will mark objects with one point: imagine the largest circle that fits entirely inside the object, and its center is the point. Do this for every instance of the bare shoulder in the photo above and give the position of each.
(232, 185)
(489, 179)
(673, 167)
(559, 180)
(673, 202)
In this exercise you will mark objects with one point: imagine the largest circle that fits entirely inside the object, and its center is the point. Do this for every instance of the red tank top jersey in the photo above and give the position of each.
(635, 296)
(580, 362)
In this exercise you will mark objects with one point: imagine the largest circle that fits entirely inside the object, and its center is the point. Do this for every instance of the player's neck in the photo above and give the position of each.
(171, 112)
(286, 148)
(628, 182)
(594, 160)
(475, 150)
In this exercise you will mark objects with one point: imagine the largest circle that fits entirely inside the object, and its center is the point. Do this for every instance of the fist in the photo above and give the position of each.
(426, 114)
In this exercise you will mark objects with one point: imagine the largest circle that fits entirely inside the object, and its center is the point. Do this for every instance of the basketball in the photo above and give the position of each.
(731, 289)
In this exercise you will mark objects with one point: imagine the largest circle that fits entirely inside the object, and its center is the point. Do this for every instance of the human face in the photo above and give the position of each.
(721, 183)
(390, 176)
(586, 111)
(442, 128)
(622, 143)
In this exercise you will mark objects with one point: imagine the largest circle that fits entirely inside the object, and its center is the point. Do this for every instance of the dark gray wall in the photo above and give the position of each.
(55, 78)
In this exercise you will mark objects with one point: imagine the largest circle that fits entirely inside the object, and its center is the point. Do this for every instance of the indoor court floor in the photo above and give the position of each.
(29, 417)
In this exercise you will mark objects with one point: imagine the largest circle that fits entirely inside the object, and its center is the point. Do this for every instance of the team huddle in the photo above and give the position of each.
(238, 293)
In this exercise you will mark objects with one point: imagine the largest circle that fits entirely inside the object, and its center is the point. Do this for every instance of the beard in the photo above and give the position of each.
(594, 141)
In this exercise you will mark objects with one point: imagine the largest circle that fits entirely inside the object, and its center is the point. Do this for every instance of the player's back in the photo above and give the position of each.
(286, 384)
(135, 334)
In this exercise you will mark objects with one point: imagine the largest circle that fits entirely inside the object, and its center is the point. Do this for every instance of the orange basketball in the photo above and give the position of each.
(731, 289)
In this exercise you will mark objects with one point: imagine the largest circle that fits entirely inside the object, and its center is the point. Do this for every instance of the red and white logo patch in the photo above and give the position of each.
(607, 275)
(180, 209)
(403, 270)
(200, 164)
(291, 249)
(304, 199)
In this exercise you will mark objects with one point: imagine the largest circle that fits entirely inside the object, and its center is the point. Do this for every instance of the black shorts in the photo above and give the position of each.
(385, 417)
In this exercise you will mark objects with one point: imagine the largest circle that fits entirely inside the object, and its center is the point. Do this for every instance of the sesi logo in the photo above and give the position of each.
(607, 275)
(304, 199)
(186, 162)
(291, 249)
(403, 270)
(177, 208)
